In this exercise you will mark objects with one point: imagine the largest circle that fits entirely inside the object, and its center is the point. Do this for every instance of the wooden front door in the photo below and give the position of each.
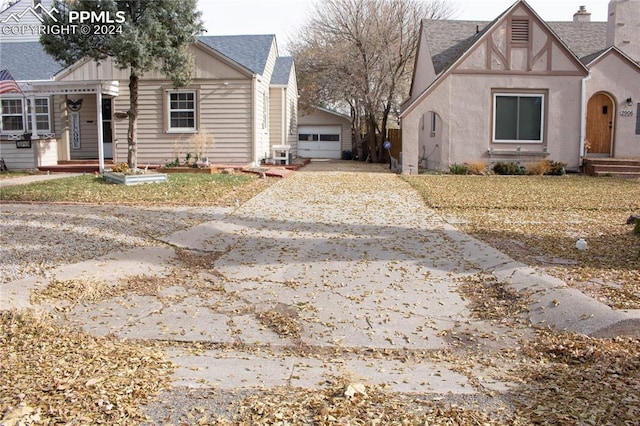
(600, 124)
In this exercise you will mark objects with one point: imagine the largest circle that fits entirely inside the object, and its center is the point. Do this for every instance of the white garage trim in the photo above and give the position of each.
(319, 142)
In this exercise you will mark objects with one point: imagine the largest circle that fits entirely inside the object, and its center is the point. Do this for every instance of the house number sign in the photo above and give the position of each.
(75, 130)
(626, 113)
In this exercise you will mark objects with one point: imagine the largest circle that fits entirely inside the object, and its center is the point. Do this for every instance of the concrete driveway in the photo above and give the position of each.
(338, 270)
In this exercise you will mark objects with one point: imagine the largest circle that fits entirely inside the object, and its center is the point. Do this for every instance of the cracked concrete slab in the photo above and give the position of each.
(354, 270)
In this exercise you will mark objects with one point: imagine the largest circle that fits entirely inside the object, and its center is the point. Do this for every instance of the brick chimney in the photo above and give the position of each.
(623, 27)
(582, 15)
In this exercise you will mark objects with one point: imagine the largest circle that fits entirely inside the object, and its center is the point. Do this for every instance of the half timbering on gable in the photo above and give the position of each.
(521, 43)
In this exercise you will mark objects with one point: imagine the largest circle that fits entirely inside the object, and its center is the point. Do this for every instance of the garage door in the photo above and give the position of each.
(319, 142)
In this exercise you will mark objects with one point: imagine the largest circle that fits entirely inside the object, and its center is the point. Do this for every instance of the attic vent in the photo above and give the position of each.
(520, 30)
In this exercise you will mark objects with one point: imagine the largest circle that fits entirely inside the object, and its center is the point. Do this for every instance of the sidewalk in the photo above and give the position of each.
(22, 180)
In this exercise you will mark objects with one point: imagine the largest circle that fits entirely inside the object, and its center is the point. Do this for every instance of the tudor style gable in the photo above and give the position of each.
(519, 42)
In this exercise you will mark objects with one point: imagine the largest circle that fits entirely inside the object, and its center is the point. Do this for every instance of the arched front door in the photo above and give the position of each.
(600, 115)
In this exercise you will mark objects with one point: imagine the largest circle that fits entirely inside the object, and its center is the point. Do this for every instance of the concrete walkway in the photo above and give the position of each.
(23, 180)
(317, 276)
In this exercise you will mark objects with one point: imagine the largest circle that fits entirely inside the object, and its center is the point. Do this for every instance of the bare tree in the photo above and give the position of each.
(359, 54)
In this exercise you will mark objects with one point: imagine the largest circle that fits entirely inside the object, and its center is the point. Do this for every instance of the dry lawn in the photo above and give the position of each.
(537, 220)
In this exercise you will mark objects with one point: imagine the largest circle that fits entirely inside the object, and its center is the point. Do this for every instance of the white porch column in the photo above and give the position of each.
(99, 121)
(32, 117)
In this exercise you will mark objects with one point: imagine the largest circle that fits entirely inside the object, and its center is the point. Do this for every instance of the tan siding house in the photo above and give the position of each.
(519, 89)
(229, 97)
(283, 114)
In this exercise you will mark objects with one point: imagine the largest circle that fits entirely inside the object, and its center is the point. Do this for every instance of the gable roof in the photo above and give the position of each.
(250, 51)
(319, 108)
(447, 54)
(612, 50)
(282, 71)
(28, 61)
(448, 40)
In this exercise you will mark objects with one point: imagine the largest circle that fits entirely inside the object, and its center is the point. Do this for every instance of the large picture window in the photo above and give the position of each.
(16, 115)
(518, 117)
(182, 111)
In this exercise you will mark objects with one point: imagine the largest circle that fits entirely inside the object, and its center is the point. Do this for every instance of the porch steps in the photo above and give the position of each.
(625, 168)
(76, 166)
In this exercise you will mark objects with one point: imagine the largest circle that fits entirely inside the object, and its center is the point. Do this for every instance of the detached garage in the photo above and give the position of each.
(319, 142)
(323, 134)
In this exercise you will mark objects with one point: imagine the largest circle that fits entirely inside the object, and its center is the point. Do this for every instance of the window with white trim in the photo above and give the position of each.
(12, 116)
(182, 111)
(16, 115)
(518, 117)
(43, 122)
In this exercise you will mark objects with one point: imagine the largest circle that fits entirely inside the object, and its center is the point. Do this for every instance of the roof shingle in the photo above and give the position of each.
(250, 51)
(28, 61)
(449, 39)
(282, 70)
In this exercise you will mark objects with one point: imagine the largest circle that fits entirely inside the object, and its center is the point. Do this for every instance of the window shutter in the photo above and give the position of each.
(520, 30)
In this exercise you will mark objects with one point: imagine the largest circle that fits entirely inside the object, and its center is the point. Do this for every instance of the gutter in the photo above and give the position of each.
(583, 118)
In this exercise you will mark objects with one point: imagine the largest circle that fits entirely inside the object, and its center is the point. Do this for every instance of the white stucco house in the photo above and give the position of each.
(522, 89)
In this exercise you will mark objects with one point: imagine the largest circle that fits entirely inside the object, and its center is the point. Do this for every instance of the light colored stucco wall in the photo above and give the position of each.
(465, 105)
(427, 74)
(463, 100)
(619, 79)
(623, 26)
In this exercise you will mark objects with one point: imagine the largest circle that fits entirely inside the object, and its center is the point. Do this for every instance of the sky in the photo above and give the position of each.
(285, 18)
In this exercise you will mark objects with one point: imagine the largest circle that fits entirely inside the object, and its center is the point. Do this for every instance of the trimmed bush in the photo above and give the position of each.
(510, 168)
(458, 169)
(557, 169)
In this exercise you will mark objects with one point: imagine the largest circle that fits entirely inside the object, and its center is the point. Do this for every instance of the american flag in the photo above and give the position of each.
(7, 83)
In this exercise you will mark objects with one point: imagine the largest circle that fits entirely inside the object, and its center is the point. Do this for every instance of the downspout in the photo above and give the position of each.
(449, 127)
(254, 126)
(583, 118)
(99, 126)
(283, 121)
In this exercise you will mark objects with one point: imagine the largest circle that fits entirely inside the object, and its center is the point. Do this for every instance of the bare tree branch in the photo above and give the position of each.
(358, 55)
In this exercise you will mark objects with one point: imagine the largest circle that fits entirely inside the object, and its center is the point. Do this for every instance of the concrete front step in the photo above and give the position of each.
(628, 168)
(613, 161)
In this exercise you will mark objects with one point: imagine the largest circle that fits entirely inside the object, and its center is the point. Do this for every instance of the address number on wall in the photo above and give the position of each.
(626, 113)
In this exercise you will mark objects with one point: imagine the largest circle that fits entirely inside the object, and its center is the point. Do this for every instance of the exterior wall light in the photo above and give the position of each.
(629, 101)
